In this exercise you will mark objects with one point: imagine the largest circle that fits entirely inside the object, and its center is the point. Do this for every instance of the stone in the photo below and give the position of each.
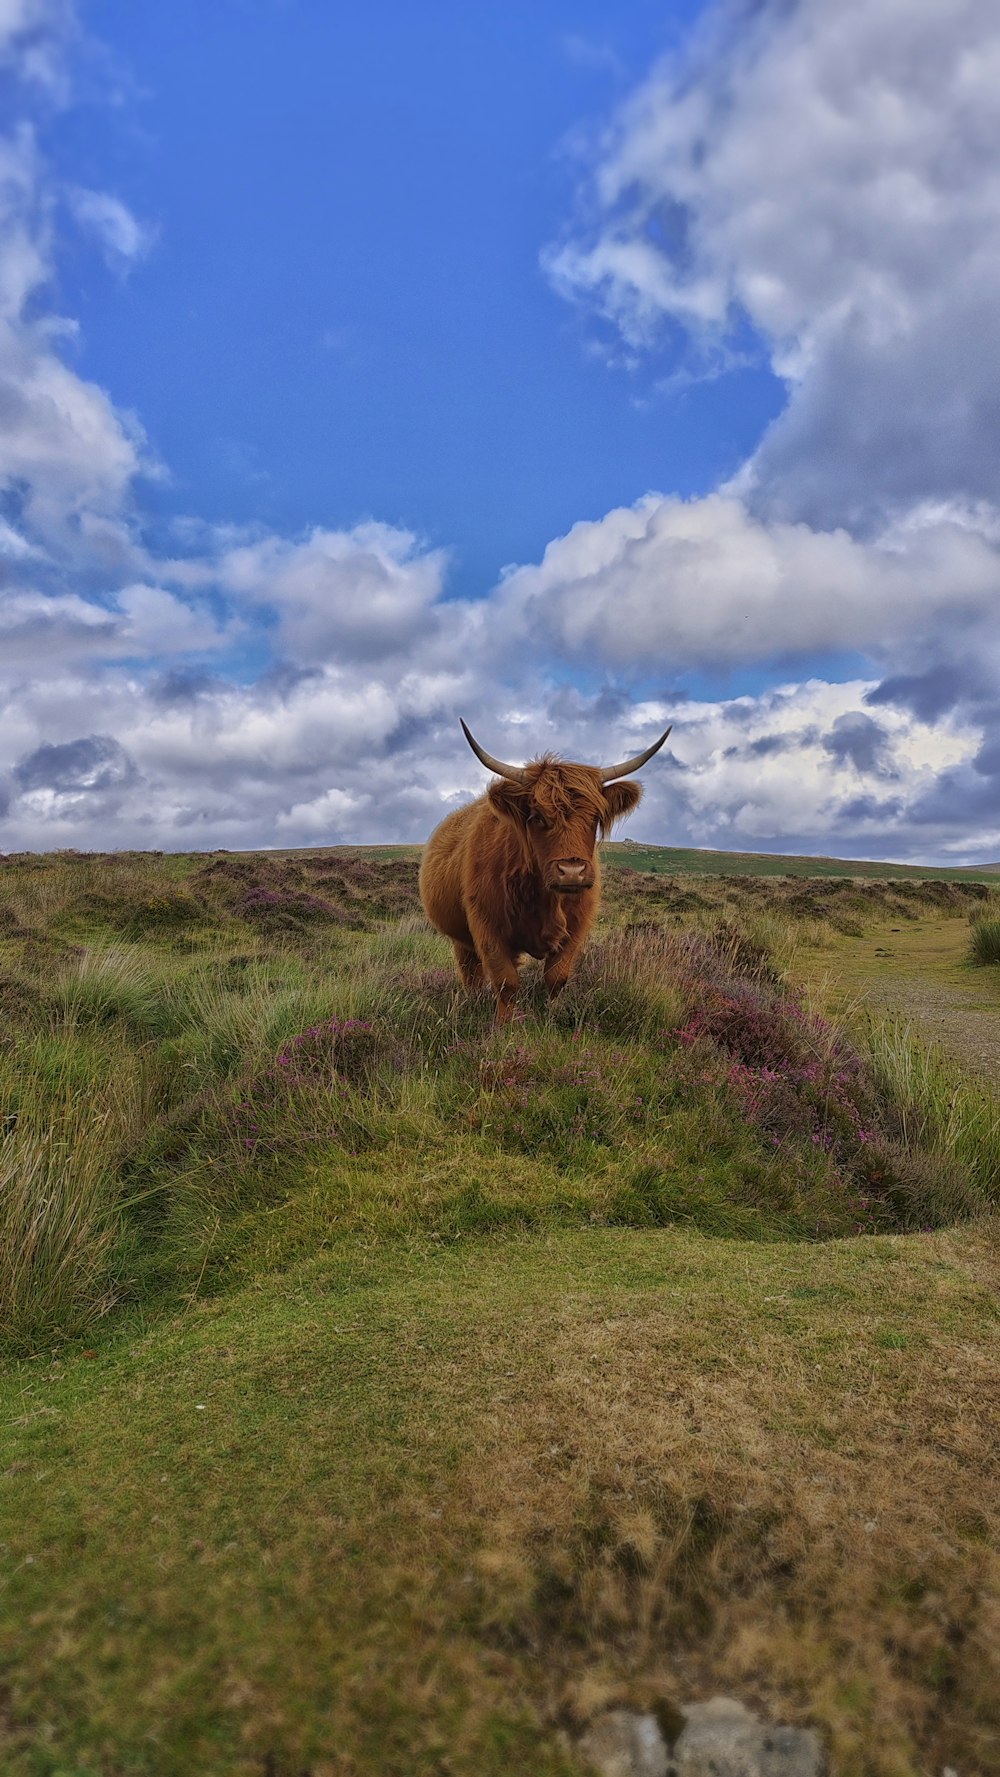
(723, 1739)
(625, 1743)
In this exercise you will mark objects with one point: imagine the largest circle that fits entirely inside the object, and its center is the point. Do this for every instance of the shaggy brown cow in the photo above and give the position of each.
(516, 872)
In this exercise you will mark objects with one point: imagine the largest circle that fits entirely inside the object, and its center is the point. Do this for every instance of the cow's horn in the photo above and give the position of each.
(514, 772)
(610, 772)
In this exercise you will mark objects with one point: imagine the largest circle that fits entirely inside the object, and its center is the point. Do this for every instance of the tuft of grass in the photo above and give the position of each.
(117, 985)
(984, 941)
(943, 1116)
(63, 1146)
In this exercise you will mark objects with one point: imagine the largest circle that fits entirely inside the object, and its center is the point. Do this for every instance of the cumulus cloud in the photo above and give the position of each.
(864, 743)
(827, 173)
(792, 175)
(821, 179)
(140, 621)
(706, 583)
(96, 762)
(362, 593)
(316, 763)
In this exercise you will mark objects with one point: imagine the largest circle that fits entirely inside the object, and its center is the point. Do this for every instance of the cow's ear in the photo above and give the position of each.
(621, 800)
(509, 799)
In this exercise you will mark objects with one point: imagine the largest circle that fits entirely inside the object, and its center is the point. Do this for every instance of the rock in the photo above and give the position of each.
(723, 1739)
(718, 1739)
(625, 1743)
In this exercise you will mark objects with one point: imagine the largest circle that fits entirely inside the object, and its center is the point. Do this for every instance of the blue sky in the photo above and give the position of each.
(344, 315)
(569, 368)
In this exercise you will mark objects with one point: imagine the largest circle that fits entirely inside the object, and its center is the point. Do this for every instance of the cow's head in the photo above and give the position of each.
(560, 809)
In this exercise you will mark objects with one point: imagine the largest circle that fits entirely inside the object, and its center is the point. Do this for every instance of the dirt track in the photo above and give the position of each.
(919, 973)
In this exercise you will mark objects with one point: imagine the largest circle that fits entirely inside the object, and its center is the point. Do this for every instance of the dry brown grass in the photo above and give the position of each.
(782, 1484)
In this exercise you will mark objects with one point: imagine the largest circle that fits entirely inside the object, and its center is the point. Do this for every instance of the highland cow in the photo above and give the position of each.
(516, 872)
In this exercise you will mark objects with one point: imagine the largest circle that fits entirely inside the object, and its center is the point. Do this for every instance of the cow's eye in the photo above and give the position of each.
(537, 820)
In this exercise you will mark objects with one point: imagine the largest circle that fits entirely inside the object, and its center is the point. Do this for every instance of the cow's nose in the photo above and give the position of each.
(572, 869)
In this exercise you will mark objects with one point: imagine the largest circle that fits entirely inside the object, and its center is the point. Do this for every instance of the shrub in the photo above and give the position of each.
(136, 915)
(65, 1134)
(314, 1088)
(285, 910)
(919, 1189)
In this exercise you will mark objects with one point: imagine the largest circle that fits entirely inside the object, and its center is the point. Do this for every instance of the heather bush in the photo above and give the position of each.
(139, 915)
(282, 893)
(318, 1089)
(285, 910)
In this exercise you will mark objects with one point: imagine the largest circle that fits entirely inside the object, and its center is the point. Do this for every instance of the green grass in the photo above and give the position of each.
(394, 1504)
(984, 943)
(386, 1391)
(939, 1112)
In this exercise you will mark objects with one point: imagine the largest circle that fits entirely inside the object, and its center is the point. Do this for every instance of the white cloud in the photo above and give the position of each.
(825, 175)
(829, 172)
(145, 622)
(64, 447)
(358, 594)
(671, 584)
(328, 812)
(33, 39)
(25, 241)
(343, 758)
(122, 237)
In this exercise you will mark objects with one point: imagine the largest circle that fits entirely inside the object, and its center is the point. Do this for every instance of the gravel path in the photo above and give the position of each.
(967, 1029)
(919, 973)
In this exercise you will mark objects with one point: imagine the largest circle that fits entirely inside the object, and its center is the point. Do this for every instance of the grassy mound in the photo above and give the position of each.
(156, 1097)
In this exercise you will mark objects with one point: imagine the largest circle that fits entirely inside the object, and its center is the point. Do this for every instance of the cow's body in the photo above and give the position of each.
(516, 873)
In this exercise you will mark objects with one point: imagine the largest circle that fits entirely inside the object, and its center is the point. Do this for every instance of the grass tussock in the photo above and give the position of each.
(984, 941)
(951, 1124)
(63, 1153)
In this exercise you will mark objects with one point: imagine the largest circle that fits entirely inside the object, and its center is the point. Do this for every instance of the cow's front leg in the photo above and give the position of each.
(469, 966)
(561, 964)
(501, 972)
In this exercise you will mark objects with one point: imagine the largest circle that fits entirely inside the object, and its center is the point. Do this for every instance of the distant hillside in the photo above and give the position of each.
(688, 861)
(672, 860)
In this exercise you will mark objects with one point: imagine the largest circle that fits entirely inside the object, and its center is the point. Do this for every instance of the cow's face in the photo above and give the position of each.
(560, 811)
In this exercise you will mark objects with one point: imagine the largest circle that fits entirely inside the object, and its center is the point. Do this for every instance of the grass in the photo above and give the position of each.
(689, 861)
(984, 943)
(386, 1392)
(403, 1506)
(939, 1112)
